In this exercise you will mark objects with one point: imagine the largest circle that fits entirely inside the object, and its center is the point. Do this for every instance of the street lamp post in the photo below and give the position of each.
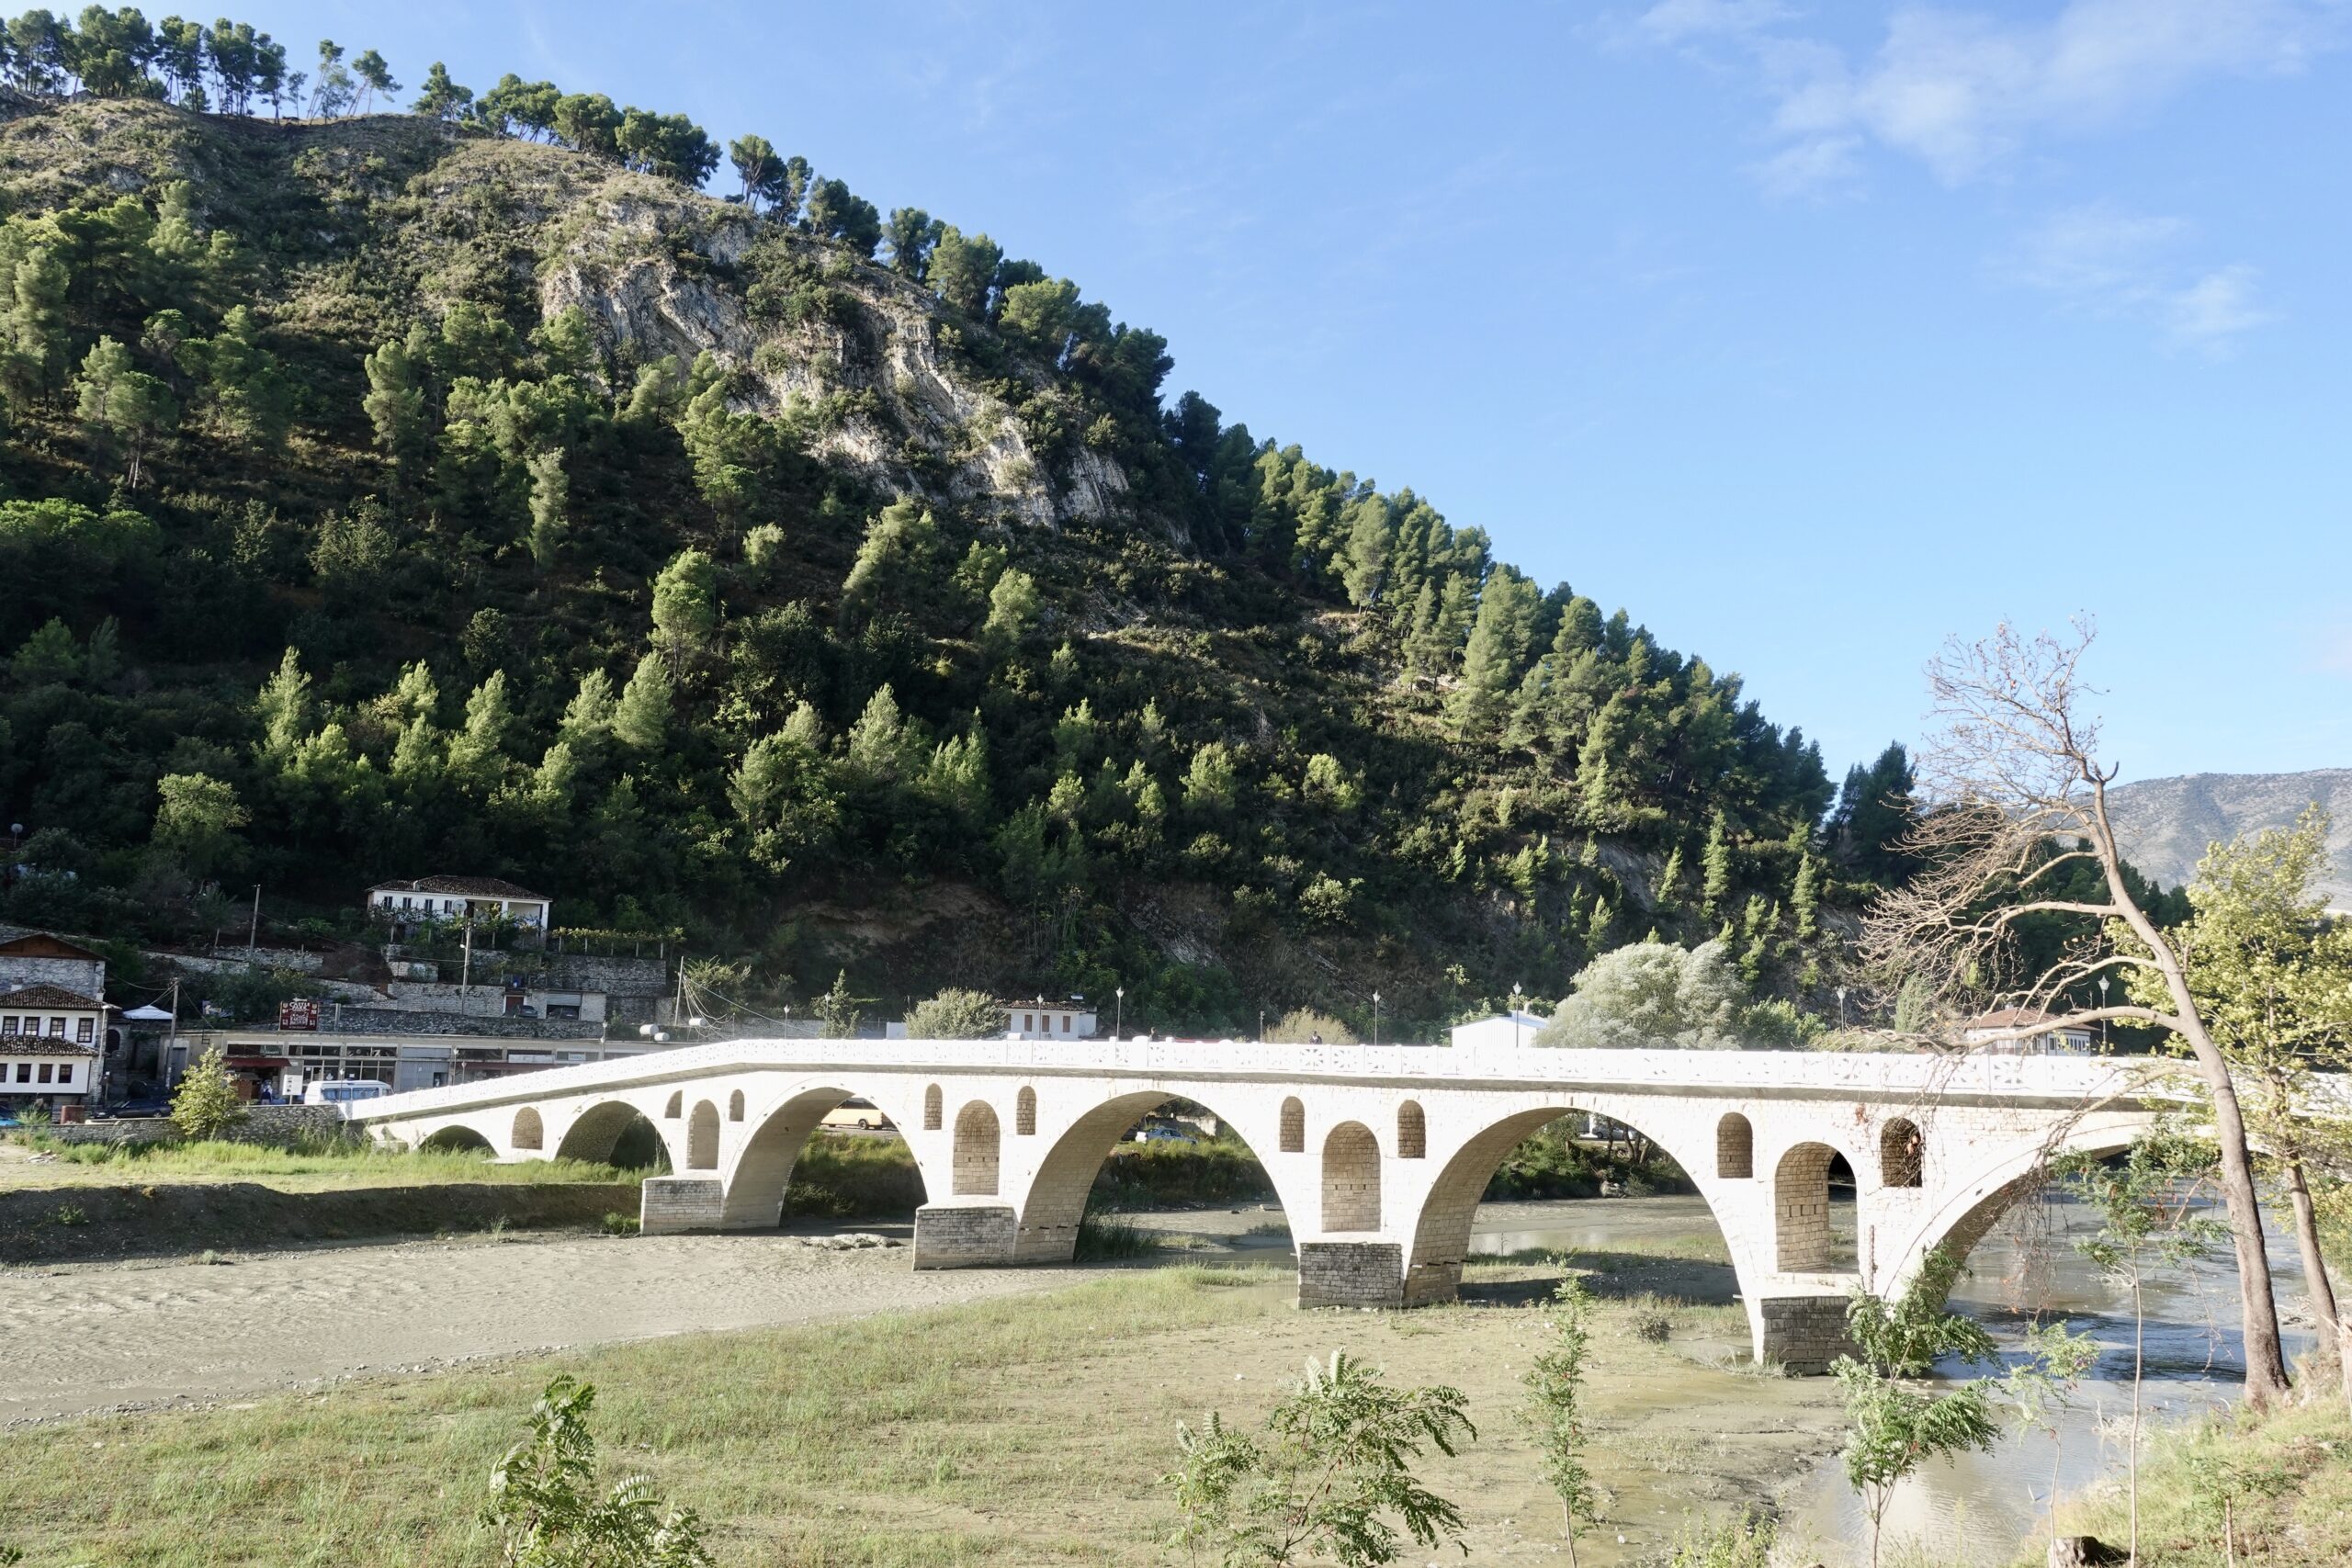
(2102, 1023)
(1118, 1011)
(1375, 1017)
(1517, 990)
(1841, 1007)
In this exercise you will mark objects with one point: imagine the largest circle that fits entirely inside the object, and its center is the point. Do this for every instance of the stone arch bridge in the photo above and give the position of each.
(1378, 1154)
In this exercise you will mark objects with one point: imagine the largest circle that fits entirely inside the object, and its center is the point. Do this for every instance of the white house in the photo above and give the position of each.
(1042, 1019)
(49, 1044)
(1502, 1032)
(1990, 1034)
(430, 899)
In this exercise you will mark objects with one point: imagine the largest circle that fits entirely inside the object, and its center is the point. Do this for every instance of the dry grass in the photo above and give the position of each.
(318, 1167)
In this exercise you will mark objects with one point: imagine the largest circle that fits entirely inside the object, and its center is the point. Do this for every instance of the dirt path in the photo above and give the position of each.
(136, 1335)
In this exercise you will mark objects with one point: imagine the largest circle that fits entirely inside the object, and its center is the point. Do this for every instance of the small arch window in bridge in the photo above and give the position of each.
(1024, 1114)
(1294, 1138)
(702, 1137)
(932, 1109)
(1350, 1179)
(735, 1106)
(1901, 1154)
(529, 1132)
(1734, 1149)
(676, 1108)
(1412, 1132)
(976, 1150)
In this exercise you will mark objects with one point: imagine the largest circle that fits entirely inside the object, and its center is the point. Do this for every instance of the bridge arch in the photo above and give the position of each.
(1734, 1149)
(1294, 1125)
(530, 1134)
(1412, 1132)
(1056, 1200)
(735, 1106)
(977, 1171)
(1350, 1179)
(1970, 1213)
(762, 1163)
(1441, 1234)
(1803, 1242)
(596, 1135)
(702, 1137)
(1024, 1112)
(458, 1138)
(1902, 1154)
(934, 1109)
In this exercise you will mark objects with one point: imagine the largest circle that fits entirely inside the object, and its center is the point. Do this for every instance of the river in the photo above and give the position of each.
(1977, 1509)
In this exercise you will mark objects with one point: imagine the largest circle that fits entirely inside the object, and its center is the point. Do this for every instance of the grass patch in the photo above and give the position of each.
(306, 1164)
(846, 1176)
(2307, 1447)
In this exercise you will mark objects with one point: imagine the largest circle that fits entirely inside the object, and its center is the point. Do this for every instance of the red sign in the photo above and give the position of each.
(300, 1013)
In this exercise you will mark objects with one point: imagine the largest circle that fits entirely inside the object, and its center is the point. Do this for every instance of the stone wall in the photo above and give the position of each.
(263, 1124)
(671, 1204)
(963, 1236)
(1805, 1334)
(83, 979)
(1351, 1274)
(403, 1020)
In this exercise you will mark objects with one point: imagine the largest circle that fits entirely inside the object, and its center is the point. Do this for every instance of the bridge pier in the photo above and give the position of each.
(1351, 1274)
(1803, 1334)
(671, 1205)
(965, 1235)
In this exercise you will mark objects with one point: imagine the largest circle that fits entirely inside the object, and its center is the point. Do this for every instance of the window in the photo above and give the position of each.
(44, 1073)
(7, 1023)
(24, 1072)
(57, 1028)
(1028, 1024)
(86, 1029)
(65, 1072)
(1065, 1023)
(404, 901)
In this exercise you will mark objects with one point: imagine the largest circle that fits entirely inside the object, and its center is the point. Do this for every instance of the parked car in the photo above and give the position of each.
(858, 1114)
(1160, 1135)
(143, 1105)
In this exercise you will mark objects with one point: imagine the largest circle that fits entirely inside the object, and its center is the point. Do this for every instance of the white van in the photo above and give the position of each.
(856, 1115)
(341, 1091)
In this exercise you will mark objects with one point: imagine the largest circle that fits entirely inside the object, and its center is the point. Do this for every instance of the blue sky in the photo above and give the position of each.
(1809, 334)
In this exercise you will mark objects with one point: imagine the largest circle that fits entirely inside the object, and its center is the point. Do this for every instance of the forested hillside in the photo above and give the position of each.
(463, 491)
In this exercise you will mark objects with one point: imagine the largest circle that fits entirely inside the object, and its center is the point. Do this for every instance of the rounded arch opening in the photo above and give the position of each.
(935, 1108)
(1441, 1233)
(1902, 1154)
(1412, 1132)
(530, 1133)
(1024, 1114)
(1972, 1218)
(1350, 1179)
(677, 1105)
(735, 1106)
(1735, 1148)
(615, 1134)
(766, 1161)
(1807, 1236)
(702, 1137)
(975, 1172)
(1294, 1126)
(1084, 1163)
(458, 1140)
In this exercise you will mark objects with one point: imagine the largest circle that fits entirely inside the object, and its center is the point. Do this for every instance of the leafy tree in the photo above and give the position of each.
(1335, 1466)
(2040, 1387)
(1012, 609)
(332, 90)
(1555, 1411)
(837, 214)
(551, 495)
(125, 405)
(1308, 1026)
(197, 820)
(34, 324)
(2148, 1204)
(49, 656)
(1653, 994)
(546, 1512)
(641, 720)
(895, 559)
(1894, 1426)
(396, 396)
(955, 1014)
(758, 167)
(205, 1105)
(685, 605)
(911, 234)
(375, 77)
(587, 123)
(442, 98)
(840, 1011)
(963, 269)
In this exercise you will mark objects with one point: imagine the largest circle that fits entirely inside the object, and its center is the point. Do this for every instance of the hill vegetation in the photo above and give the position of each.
(464, 492)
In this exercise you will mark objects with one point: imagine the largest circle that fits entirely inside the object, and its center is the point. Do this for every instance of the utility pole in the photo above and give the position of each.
(253, 933)
(465, 967)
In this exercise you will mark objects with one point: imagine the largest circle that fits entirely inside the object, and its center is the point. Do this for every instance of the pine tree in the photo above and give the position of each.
(395, 400)
(1716, 866)
(643, 720)
(1805, 900)
(550, 494)
(685, 606)
(284, 709)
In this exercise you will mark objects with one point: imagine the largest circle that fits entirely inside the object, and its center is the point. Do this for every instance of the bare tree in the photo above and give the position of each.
(2012, 791)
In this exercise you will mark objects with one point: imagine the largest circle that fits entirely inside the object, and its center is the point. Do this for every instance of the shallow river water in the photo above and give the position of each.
(1977, 1509)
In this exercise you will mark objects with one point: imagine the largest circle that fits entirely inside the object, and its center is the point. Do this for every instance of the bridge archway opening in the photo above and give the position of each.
(671, 1111)
(1902, 1154)
(530, 1134)
(1024, 1114)
(735, 1106)
(977, 1137)
(1441, 1233)
(1734, 1149)
(1808, 1236)
(458, 1140)
(1294, 1125)
(615, 1134)
(1085, 1170)
(765, 1164)
(1350, 1179)
(934, 1109)
(702, 1137)
(1412, 1132)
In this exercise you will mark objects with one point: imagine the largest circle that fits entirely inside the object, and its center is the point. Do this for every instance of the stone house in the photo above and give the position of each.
(426, 901)
(50, 1044)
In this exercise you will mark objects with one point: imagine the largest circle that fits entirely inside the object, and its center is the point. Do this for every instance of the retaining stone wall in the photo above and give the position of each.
(963, 1236)
(1351, 1274)
(674, 1203)
(263, 1124)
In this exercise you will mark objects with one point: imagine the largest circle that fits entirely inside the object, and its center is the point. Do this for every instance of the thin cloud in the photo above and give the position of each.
(1962, 91)
(2102, 260)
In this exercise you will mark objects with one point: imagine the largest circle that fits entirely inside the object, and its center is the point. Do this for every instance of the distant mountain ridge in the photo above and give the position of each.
(2165, 825)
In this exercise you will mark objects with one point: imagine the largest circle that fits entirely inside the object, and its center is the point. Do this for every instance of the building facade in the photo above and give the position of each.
(50, 1044)
(447, 901)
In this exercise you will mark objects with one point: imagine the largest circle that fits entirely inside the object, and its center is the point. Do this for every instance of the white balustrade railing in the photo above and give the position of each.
(2073, 1077)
